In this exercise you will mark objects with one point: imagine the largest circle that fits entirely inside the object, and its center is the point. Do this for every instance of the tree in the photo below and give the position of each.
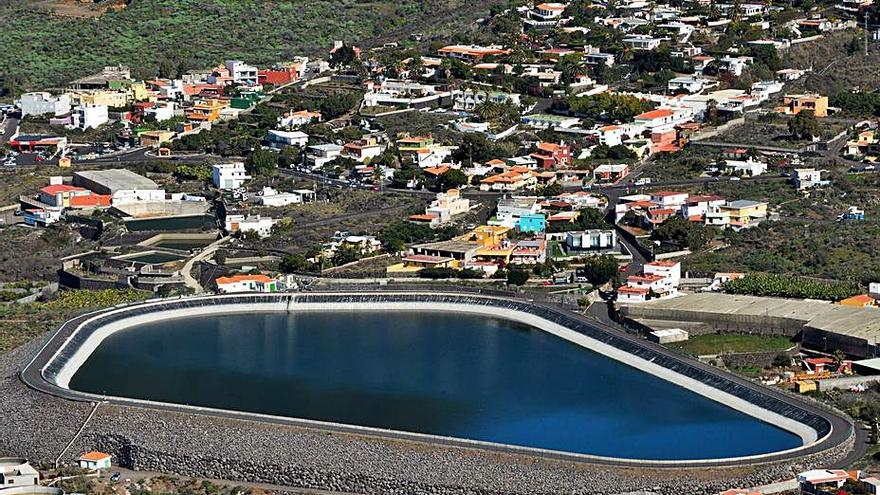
(453, 178)
(682, 234)
(343, 56)
(295, 263)
(554, 189)
(474, 147)
(804, 125)
(220, 257)
(517, 276)
(261, 162)
(600, 269)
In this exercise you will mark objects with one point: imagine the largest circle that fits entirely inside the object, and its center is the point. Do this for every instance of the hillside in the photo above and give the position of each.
(43, 48)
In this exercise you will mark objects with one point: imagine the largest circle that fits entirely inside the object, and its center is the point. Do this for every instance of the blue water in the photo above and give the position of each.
(463, 376)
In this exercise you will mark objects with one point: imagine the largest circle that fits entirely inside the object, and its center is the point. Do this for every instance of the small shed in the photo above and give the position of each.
(94, 460)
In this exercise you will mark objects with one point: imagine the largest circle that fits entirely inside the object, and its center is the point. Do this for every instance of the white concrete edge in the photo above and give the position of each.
(808, 435)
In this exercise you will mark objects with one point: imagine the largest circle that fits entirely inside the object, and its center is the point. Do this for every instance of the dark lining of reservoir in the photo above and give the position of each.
(464, 376)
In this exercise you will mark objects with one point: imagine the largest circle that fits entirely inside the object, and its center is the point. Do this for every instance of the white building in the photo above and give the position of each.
(642, 42)
(124, 186)
(280, 139)
(659, 279)
(15, 474)
(94, 461)
(443, 209)
(42, 103)
(750, 167)
(403, 93)
(229, 176)
(320, 154)
(807, 178)
(467, 100)
(246, 283)
(271, 197)
(691, 84)
(162, 111)
(242, 73)
(262, 226)
(591, 240)
(92, 116)
(41, 217)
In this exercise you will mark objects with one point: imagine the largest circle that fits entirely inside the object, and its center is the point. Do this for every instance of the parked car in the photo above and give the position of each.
(115, 476)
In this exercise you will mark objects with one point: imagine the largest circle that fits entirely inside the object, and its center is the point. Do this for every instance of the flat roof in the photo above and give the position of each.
(822, 315)
(117, 179)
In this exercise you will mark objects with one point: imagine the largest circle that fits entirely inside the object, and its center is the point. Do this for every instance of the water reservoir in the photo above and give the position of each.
(459, 375)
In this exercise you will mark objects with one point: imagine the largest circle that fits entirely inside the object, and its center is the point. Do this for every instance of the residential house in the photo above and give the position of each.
(689, 84)
(807, 178)
(659, 279)
(319, 155)
(662, 119)
(156, 139)
(471, 53)
(593, 56)
(43, 103)
(734, 65)
(410, 94)
(794, 104)
(443, 209)
(642, 42)
(272, 197)
(742, 213)
(547, 121)
(510, 210)
(823, 480)
(18, 474)
(41, 217)
(91, 116)
(545, 15)
(749, 167)
(296, 119)
(590, 241)
(262, 226)
(551, 155)
(696, 207)
(279, 139)
(468, 99)
(242, 73)
(515, 179)
(362, 150)
(229, 176)
(246, 283)
(95, 461)
(206, 111)
(669, 199)
(610, 173)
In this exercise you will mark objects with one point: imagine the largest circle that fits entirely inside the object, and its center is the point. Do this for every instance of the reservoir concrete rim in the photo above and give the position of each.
(56, 370)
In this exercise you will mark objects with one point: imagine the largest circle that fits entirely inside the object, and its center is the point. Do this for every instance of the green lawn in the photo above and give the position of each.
(730, 343)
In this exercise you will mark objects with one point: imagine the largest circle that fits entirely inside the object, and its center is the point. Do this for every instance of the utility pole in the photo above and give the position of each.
(866, 33)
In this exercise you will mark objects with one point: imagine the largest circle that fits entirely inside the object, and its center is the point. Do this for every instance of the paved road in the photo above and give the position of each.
(186, 271)
(10, 126)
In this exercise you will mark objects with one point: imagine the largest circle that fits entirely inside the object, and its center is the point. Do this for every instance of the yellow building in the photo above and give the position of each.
(139, 92)
(745, 211)
(794, 104)
(488, 235)
(156, 138)
(117, 99)
(206, 111)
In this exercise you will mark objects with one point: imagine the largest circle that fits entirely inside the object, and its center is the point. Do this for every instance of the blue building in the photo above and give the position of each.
(534, 223)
